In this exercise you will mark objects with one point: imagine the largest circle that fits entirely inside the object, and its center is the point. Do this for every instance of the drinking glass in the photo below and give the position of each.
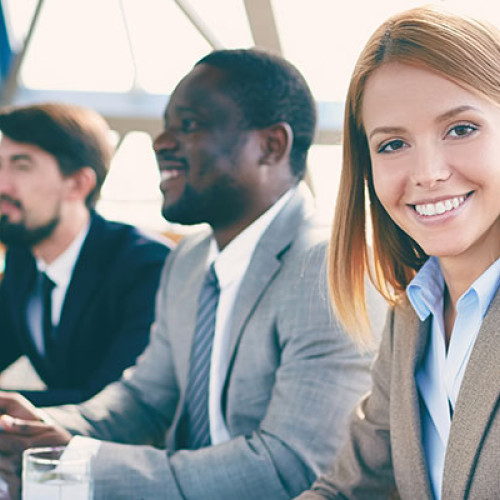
(56, 473)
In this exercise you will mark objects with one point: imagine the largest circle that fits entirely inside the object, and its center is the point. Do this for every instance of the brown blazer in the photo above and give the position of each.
(384, 457)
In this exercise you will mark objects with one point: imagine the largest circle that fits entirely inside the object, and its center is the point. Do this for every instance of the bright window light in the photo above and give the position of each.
(131, 191)
(18, 17)
(79, 46)
(324, 169)
(324, 38)
(227, 19)
(164, 43)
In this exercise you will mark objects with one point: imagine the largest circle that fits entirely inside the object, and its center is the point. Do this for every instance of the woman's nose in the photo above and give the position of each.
(430, 168)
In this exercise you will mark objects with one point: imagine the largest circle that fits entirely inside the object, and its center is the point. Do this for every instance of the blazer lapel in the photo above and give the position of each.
(26, 276)
(477, 400)
(85, 280)
(407, 412)
(24, 271)
(265, 264)
(260, 273)
(187, 282)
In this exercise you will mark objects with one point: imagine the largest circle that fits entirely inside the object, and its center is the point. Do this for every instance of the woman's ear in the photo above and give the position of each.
(81, 183)
(277, 142)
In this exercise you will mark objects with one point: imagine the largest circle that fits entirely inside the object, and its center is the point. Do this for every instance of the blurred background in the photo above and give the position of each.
(124, 57)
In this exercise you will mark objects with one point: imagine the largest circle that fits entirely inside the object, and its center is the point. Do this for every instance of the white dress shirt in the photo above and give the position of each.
(60, 272)
(440, 375)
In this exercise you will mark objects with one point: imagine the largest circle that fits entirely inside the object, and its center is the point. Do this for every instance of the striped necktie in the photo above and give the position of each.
(196, 409)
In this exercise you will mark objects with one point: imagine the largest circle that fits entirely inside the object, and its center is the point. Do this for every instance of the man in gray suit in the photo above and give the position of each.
(282, 377)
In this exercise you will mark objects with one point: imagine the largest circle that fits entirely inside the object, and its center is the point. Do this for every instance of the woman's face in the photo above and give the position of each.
(435, 153)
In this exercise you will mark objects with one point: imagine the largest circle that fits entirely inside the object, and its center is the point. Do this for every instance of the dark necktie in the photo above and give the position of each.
(196, 409)
(46, 287)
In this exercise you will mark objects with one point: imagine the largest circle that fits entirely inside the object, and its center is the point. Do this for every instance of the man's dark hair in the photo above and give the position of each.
(268, 90)
(77, 137)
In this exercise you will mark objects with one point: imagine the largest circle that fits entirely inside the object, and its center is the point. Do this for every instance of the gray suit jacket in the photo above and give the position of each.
(384, 457)
(293, 378)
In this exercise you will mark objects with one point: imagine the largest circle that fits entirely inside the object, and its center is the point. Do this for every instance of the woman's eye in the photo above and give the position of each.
(464, 129)
(391, 146)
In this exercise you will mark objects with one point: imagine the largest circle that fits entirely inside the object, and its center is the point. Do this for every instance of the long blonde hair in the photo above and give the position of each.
(463, 50)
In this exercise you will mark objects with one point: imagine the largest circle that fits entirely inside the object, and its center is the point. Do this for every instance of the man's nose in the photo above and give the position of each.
(166, 140)
(6, 184)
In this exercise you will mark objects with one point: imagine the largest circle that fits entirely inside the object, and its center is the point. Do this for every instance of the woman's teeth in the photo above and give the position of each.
(440, 207)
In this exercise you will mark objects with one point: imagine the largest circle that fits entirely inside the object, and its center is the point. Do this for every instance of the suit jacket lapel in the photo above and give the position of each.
(24, 272)
(260, 273)
(476, 402)
(84, 281)
(26, 276)
(265, 264)
(187, 282)
(408, 399)
(185, 279)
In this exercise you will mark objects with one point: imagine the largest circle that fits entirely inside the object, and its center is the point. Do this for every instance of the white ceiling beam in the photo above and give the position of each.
(263, 25)
(199, 24)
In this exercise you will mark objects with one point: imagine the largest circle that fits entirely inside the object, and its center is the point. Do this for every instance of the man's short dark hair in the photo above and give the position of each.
(77, 137)
(268, 90)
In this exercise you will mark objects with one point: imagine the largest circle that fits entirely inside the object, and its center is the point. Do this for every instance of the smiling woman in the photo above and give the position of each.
(422, 136)
(434, 149)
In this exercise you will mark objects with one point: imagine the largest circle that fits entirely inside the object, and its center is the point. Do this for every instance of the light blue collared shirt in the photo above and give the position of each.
(440, 375)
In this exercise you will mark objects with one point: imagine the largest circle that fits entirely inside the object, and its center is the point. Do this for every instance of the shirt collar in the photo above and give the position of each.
(425, 291)
(60, 270)
(237, 254)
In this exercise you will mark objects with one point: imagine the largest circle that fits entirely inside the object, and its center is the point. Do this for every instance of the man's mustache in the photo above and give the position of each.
(12, 201)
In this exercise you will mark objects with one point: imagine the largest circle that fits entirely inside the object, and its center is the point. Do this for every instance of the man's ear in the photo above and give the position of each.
(81, 183)
(277, 142)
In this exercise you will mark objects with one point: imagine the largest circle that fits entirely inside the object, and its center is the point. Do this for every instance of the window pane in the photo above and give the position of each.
(227, 20)
(165, 43)
(324, 38)
(18, 16)
(79, 45)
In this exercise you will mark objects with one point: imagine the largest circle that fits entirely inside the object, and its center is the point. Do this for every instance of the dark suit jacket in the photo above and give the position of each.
(106, 315)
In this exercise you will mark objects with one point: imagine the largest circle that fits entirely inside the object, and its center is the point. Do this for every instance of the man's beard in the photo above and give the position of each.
(218, 205)
(19, 234)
